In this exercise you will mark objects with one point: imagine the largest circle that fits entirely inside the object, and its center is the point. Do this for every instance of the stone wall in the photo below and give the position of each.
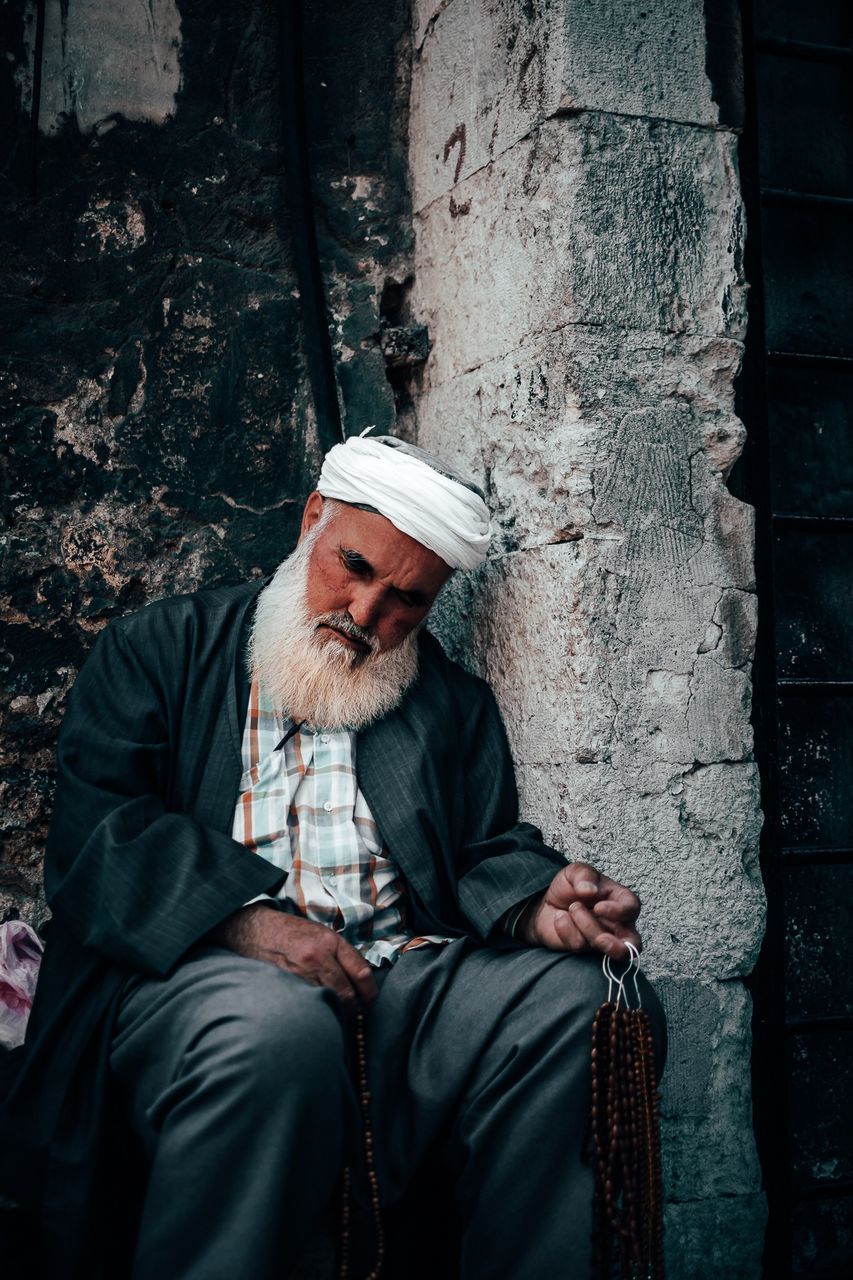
(578, 263)
(158, 420)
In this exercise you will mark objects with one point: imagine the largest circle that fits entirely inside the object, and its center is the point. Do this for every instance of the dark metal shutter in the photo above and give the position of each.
(797, 401)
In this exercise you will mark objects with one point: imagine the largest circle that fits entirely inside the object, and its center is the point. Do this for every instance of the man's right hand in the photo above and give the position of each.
(311, 951)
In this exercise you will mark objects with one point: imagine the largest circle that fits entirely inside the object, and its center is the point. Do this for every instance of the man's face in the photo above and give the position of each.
(361, 565)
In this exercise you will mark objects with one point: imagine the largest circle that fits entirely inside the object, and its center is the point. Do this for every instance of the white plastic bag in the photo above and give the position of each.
(20, 956)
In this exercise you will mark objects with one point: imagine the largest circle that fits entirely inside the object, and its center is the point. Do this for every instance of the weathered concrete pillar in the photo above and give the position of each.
(578, 263)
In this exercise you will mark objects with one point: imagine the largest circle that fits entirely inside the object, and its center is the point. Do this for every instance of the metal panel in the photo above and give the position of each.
(824, 1235)
(818, 929)
(814, 604)
(814, 21)
(810, 415)
(821, 1085)
(796, 149)
(816, 771)
(808, 267)
(797, 160)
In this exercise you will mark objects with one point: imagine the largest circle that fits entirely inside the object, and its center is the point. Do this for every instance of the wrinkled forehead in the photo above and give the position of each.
(353, 532)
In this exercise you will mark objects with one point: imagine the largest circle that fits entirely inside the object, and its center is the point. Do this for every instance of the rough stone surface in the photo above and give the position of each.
(706, 1102)
(159, 427)
(610, 762)
(357, 63)
(596, 220)
(537, 423)
(578, 263)
(486, 74)
(716, 1236)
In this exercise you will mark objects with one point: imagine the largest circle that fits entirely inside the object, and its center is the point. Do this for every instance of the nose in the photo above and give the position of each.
(365, 605)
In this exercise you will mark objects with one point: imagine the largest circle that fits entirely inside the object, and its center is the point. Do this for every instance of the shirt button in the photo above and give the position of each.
(333, 880)
(324, 737)
(328, 806)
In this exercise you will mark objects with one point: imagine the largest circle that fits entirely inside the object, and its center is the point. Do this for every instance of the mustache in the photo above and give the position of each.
(343, 622)
(337, 685)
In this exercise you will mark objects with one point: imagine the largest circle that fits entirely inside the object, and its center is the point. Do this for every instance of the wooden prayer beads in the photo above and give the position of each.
(625, 1139)
(625, 1134)
(370, 1169)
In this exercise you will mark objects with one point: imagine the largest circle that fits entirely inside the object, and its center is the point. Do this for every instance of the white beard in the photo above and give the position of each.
(324, 681)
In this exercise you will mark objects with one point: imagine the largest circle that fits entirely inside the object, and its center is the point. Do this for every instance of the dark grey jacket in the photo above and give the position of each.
(140, 864)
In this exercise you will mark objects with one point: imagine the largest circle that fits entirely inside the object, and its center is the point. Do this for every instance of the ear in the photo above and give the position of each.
(311, 514)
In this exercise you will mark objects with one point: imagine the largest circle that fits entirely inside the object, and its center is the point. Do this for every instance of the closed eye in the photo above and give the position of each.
(355, 563)
(412, 599)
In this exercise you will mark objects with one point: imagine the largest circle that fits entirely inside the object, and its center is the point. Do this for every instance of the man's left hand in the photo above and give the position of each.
(582, 910)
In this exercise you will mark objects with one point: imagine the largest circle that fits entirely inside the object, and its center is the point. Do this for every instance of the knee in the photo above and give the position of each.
(584, 988)
(293, 1024)
(574, 986)
(270, 1027)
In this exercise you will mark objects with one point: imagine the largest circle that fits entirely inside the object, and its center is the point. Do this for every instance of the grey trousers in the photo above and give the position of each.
(236, 1079)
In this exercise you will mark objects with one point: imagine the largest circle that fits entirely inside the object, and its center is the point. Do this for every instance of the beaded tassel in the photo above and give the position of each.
(625, 1133)
(372, 1180)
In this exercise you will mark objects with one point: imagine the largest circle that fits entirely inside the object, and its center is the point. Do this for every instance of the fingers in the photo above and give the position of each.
(609, 938)
(577, 881)
(318, 955)
(331, 968)
(358, 971)
(567, 936)
(318, 967)
(583, 909)
(618, 903)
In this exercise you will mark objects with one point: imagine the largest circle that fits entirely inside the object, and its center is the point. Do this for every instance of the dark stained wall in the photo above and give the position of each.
(159, 430)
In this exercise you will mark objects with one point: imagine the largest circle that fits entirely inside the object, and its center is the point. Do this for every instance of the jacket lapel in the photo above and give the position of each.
(395, 766)
(219, 786)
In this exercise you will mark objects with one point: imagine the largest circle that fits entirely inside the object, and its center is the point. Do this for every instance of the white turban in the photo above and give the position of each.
(442, 514)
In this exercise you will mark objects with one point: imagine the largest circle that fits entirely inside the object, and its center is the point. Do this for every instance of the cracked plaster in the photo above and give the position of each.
(579, 265)
(594, 220)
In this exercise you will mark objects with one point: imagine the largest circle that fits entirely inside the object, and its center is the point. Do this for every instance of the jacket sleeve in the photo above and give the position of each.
(128, 878)
(503, 861)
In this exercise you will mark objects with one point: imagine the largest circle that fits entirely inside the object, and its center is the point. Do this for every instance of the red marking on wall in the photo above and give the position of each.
(456, 137)
(493, 139)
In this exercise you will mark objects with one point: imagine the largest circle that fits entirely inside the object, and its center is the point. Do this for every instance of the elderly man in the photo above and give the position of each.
(280, 805)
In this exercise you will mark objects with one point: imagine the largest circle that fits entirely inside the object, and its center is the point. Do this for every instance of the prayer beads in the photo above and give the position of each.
(625, 1133)
(370, 1169)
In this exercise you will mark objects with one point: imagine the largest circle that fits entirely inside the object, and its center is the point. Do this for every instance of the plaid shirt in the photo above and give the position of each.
(301, 808)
